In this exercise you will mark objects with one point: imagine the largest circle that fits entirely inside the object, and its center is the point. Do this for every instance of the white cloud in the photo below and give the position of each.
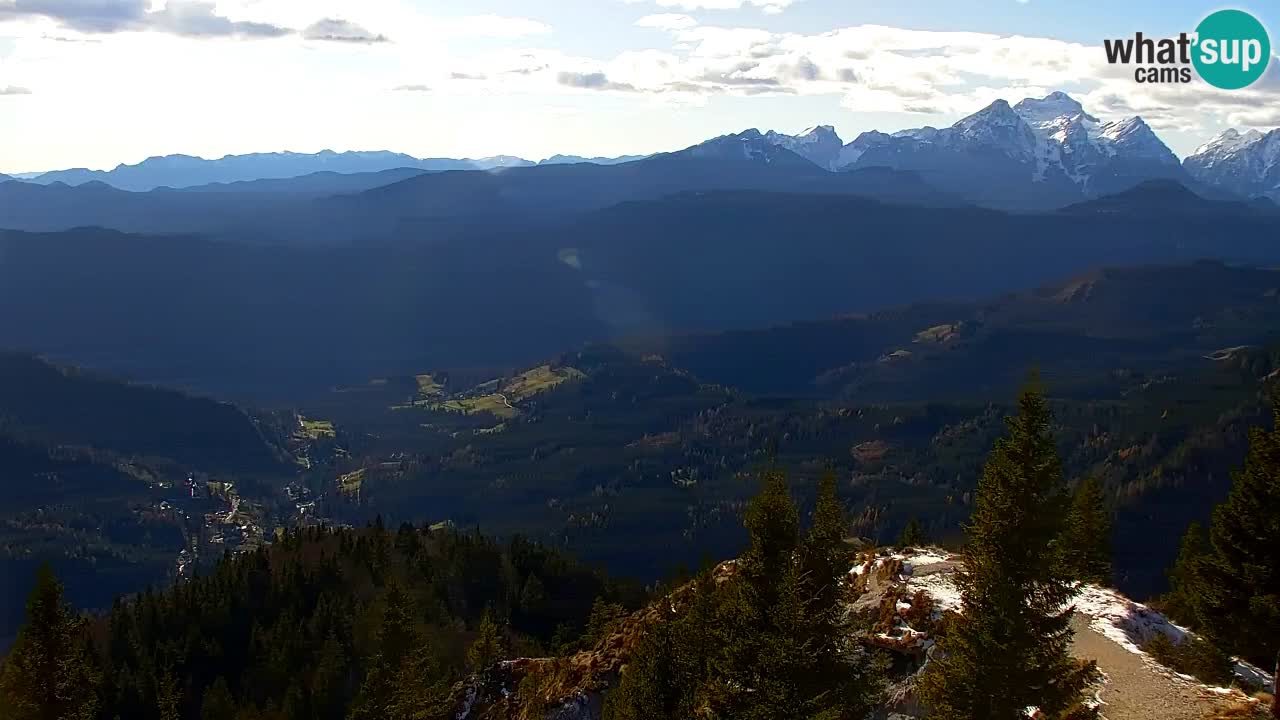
(495, 26)
(338, 30)
(188, 18)
(667, 21)
(771, 7)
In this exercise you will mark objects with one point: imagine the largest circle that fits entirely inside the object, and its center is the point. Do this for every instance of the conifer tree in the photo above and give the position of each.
(1182, 601)
(398, 637)
(1009, 647)
(49, 674)
(747, 674)
(488, 647)
(218, 703)
(912, 535)
(1089, 533)
(652, 686)
(1236, 588)
(834, 677)
(168, 697)
(785, 653)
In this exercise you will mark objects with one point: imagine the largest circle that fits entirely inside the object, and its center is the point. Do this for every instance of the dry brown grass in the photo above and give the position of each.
(1256, 708)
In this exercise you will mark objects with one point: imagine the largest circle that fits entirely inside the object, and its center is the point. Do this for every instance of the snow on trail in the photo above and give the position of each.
(1106, 612)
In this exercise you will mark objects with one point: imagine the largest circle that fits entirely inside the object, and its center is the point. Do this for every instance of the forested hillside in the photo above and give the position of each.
(109, 480)
(434, 623)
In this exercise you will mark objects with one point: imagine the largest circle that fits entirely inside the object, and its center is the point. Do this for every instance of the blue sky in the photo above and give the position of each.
(95, 83)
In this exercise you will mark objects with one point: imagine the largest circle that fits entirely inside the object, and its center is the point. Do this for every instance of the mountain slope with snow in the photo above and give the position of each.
(1246, 164)
(1041, 152)
(820, 145)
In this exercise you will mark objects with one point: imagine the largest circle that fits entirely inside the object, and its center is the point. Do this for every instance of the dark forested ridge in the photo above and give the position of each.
(263, 322)
(109, 481)
(307, 627)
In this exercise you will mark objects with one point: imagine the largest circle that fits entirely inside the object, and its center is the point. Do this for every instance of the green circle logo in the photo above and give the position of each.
(1232, 49)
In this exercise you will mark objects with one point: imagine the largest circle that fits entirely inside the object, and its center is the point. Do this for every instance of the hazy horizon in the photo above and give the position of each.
(96, 85)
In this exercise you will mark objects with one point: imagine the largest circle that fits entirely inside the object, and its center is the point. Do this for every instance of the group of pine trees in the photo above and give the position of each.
(1226, 583)
(368, 624)
(771, 639)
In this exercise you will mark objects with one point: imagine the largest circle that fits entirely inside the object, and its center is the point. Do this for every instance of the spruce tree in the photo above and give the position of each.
(1237, 585)
(1089, 533)
(834, 677)
(168, 697)
(786, 650)
(1183, 600)
(912, 535)
(488, 647)
(218, 703)
(747, 677)
(652, 686)
(397, 638)
(49, 674)
(1009, 649)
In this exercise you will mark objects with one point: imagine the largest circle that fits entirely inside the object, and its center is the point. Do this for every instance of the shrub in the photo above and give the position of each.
(1193, 656)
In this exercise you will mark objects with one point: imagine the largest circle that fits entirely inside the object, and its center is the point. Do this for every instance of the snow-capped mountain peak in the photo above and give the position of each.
(996, 126)
(751, 145)
(1245, 163)
(819, 144)
(1228, 141)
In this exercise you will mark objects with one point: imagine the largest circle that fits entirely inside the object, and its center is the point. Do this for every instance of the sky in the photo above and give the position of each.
(96, 83)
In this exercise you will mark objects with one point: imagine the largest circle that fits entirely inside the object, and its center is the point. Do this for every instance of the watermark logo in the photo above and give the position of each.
(1229, 49)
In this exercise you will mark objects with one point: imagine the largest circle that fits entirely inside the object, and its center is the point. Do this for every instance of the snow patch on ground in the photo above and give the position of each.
(940, 586)
(1127, 623)
(1131, 624)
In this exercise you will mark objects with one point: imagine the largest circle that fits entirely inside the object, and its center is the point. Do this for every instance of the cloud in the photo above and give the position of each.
(466, 76)
(13, 90)
(591, 81)
(195, 18)
(495, 26)
(87, 16)
(667, 21)
(188, 18)
(771, 7)
(336, 30)
(412, 88)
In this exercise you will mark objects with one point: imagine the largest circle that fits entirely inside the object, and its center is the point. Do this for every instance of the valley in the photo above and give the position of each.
(316, 435)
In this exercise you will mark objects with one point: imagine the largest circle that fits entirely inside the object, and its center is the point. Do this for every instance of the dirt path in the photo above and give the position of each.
(1133, 690)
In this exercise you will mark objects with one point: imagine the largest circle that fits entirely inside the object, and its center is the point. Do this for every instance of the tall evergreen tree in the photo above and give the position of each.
(403, 680)
(836, 676)
(785, 650)
(218, 703)
(653, 686)
(749, 670)
(1182, 601)
(1089, 533)
(1237, 584)
(49, 674)
(1009, 648)
(488, 647)
(168, 697)
(912, 535)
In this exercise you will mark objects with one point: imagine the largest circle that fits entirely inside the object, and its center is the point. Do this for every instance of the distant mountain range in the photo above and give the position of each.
(1039, 153)
(185, 171)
